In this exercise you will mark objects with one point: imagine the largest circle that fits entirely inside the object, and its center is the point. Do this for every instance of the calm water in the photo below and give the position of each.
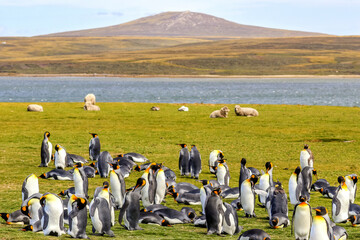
(335, 92)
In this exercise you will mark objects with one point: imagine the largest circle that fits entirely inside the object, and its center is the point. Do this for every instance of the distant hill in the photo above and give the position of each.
(187, 24)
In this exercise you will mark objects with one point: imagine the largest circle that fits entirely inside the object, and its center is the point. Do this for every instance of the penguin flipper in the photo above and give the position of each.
(93, 207)
(123, 209)
(46, 220)
(337, 205)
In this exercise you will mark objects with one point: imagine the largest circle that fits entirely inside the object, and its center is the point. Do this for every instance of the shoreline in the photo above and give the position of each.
(181, 76)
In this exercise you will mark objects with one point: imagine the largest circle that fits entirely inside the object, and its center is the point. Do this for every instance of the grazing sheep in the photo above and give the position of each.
(35, 108)
(154, 108)
(222, 113)
(90, 98)
(248, 112)
(90, 107)
(183, 109)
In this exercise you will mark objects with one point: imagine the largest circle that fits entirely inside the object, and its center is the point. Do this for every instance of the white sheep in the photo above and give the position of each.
(90, 98)
(154, 108)
(183, 109)
(248, 112)
(35, 108)
(222, 113)
(91, 107)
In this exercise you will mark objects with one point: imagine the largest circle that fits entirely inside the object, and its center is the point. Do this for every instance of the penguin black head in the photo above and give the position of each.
(106, 184)
(268, 166)
(92, 165)
(78, 165)
(57, 146)
(4, 216)
(355, 179)
(191, 215)
(94, 135)
(62, 193)
(204, 182)
(254, 179)
(216, 191)
(43, 176)
(352, 219)
(243, 161)
(314, 172)
(183, 145)
(25, 210)
(165, 223)
(27, 228)
(47, 134)
(321, 190)
(115, 166)
(221, 155)
(120, 155)
(320, 211)
(221, 160)
(274, 222)
(341, 179)
(297, 170)
(42, 200)
(302, 198)
(137, 168)
(139, 183)
(238, 205)
(81, 203)
(306, 146)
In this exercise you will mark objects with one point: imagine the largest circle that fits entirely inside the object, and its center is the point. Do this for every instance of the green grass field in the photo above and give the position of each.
(181, 56)
(277, 135)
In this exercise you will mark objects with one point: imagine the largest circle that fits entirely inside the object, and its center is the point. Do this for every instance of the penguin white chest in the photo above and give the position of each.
(319, 229)
(304, 157)
(302, 221)
(292, 189)
(264, 184)
(343, 196)
(220, 174)
(78, 182)
(160, 187)
(116, 188)
(60, 156)
(247, 197)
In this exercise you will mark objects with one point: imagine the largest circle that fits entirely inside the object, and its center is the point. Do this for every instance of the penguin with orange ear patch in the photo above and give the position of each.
(16, 217)
(302, 219)
(214, 213)
(247, 198)
(46, 150)
(77, 213)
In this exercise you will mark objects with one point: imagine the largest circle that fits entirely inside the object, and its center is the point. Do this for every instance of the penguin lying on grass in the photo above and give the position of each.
(58, 174)
(16, 217)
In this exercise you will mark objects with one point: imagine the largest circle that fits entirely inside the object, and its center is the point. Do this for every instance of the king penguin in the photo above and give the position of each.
(46, 150)
(320, 228)
(214, 213)
(105, 194)
(351, 181)
(341, 202)
(247, 198)
(80, 181)
(60, 157)
(266, 181)
(103, 164)
(195, 162)
(32, 208)
(302, 219)
(77, 213)
(230, 224)
(130, 211)
(306, 157)
(222, 173)
(148, 191)
(295, 181)
(160, 185)
(52, 220)
(30, 186)
(254, 234)
(184, 158)
(94, 147)
(215, 156)
(244, 174)
(118, 188)
(100, 216)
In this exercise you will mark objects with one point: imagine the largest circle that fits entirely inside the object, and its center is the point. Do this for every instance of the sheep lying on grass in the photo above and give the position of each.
(35, 108)
(90, 107)
(248, 112)
(222, 113)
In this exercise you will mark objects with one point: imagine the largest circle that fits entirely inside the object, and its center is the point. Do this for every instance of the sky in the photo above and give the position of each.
(37, 17)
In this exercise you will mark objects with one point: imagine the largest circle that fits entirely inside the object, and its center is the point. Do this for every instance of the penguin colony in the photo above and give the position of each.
(49, 213)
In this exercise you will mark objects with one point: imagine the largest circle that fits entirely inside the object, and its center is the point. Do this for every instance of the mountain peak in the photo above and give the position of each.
(184, 24)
